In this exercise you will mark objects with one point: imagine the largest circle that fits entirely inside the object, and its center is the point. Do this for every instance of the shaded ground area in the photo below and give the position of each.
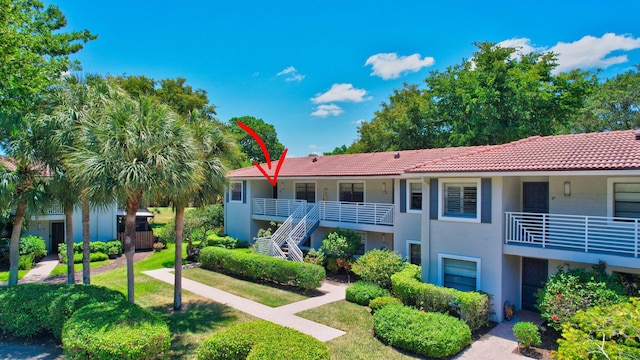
(119, 262)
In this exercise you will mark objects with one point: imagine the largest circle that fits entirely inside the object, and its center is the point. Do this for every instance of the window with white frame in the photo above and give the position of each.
(235, 191)
(351, 192)
(306, 191)
(460, 199)
(626, 200)
(414, 195)
(459, 272)
(414, 252)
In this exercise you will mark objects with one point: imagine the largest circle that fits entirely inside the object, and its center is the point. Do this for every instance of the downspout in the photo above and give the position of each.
(425, 230)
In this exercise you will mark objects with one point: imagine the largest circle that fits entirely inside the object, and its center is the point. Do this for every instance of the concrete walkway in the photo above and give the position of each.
(499, 343)
(39, 272)
(283, 315)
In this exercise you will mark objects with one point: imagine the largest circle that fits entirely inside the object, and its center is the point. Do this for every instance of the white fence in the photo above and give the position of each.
(590, 234)
(349, 212)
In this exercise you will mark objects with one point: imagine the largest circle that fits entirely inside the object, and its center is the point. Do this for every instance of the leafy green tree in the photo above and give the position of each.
(134, 149)
(405, 123)
(23, 181)
(498, 97)
(339, 150)
(34, 51)
(494, 98)
(613, 105)
(249, 146)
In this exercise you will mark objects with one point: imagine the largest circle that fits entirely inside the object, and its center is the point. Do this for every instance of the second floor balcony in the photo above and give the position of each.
(334, 211)
(573, 237)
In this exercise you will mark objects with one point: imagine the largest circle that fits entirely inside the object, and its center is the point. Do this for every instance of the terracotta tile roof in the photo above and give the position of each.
(616, 150)
(10, 164)
(369, 164)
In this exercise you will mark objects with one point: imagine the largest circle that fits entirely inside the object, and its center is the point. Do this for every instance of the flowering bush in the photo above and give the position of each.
(566, 293)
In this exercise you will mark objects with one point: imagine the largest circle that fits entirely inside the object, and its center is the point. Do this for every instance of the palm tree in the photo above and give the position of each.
(23, 180)
(136, 147)
(212, 148)
(73, 100)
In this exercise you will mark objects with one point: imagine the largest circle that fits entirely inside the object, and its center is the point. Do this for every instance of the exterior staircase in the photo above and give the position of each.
(285, 241)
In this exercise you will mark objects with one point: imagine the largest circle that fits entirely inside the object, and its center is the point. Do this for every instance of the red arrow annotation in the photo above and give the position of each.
(253, 134)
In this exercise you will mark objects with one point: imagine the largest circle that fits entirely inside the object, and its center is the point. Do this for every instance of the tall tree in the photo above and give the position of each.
(23, 181)
(74, 100)
(34, 51)
(496, 97)
(249, 146)
(137, 147)
(613, 105)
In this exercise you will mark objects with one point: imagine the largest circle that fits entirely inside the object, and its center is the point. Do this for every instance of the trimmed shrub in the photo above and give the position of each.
(527, 334)
(362, 292)
(564, 294)
(472, 307)
(25, 262)
(25, 308)
(115, 330)
(261, 340)
(383, 301)
(77, 257)
(377, 266)
(263, 268)
(94, 247)
(226, 242)
(430, 334)
(71, 298)
(611, 332)
(33, 245)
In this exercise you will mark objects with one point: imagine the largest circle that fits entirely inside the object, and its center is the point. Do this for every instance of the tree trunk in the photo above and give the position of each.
(129, 244)
(14, 247)
(177, 288)
(86, 242)
(68, 214)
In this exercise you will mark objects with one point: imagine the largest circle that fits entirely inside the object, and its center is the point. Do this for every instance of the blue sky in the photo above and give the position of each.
(315, 70)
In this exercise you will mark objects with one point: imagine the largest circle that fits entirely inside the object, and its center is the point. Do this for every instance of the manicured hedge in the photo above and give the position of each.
(473, 307)
(262, 340)
(262, 268)
(115, 330)
(362, 292)
(33, 309)
(380, 302)
(430, 334)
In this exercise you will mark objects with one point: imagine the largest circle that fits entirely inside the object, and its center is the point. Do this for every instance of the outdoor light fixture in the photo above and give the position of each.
(384, 239)
(281, 185)
(384, 187)
(567, 188)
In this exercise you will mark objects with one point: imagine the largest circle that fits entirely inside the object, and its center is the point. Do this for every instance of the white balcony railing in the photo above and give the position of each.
(590, 234)
(348, 212)
(55, 209)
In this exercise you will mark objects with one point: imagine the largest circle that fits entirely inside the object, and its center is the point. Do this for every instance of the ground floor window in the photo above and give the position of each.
(414, 254)
(459, 272)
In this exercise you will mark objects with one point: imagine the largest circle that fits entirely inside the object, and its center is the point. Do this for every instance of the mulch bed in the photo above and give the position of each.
(549, 344)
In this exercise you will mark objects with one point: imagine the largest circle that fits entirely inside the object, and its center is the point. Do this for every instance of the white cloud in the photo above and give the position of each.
(391, 66)
(341, 92)
(327, 110)
(358, 122)
(592, 52)
(587, 53)
(522, 45)
(313, 146)
(291, 74)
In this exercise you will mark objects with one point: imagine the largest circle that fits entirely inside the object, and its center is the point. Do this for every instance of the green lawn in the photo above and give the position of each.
(4, 275)
(262, 294)
(358, 342)
(200, 318)
(62, 268)
(162, 215)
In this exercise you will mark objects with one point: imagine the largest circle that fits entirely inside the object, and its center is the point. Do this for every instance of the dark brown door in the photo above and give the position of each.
(535, 197)
(57, 236)
(534, 275)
